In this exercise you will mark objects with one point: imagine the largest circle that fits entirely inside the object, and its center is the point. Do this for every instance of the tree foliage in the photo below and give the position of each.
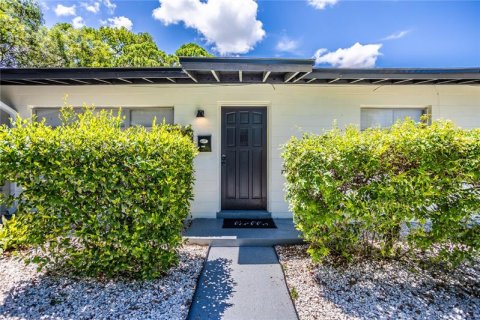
(103, 47)
(99, 199)
(192, 50)
(20, 23)
(25, 42)
(188, 50)
(355, 191)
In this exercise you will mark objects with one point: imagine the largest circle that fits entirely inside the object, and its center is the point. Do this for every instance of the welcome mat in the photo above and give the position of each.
(249, 224)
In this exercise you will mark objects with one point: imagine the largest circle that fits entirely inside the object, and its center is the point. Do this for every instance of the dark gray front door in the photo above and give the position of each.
(244, 158)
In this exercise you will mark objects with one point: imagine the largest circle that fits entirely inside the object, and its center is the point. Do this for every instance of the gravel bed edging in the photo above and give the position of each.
(378, 290)
(28, 294)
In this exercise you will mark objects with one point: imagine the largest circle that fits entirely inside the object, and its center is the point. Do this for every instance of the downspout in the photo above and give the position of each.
(11, 112)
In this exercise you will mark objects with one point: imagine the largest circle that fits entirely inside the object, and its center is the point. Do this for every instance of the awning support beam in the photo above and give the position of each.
(215, 75)
(357, 80)
(190, 75)
(289, 76)
(302, 76)
(265, 75)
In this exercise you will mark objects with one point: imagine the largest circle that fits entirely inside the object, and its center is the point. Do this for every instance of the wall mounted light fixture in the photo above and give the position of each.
(200, 113)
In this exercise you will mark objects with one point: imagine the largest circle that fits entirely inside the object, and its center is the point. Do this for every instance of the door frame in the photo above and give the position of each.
(244, 104)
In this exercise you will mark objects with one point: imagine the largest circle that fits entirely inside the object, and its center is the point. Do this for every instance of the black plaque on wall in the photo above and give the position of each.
(204, 143)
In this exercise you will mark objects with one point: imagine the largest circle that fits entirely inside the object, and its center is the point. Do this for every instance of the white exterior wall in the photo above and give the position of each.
(291, 110)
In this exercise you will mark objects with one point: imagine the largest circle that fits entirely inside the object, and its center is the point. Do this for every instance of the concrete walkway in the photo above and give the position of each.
(242, 283)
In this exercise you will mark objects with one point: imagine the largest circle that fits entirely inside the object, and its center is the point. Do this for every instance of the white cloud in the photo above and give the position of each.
(61, 10)
(78, 22)
(357, 56)
(397, 35)
(91, 7)
(119, 22)
(286, 45)
(232, 26)
(321, 4)
(110, 5)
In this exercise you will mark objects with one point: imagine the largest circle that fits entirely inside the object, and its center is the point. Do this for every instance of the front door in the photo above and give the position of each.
(244, 158)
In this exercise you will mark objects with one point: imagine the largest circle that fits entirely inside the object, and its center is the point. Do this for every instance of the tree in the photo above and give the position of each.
(25, 42)
(187, 50)
(20, 22)
(104, 47)
(133, 50)
(192, 50)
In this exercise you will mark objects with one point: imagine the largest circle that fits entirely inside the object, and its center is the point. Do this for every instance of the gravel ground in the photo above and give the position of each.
(378, 290)
(28, 294)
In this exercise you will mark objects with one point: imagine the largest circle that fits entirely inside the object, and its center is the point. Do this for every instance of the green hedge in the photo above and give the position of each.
(352, 191)
(12, 234)
(100, 199)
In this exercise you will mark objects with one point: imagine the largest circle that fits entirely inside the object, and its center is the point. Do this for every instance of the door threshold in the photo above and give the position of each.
(243, 214)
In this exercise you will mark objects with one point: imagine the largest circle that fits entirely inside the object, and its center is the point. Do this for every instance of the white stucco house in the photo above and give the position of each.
(242, 110)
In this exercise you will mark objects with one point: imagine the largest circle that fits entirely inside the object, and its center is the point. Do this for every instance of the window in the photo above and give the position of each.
(133, 116)
(386, 117)
(144, 117)
(51, 116)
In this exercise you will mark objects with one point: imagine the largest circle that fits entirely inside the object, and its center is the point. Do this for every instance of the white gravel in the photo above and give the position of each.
(28, 294)
(379, 290)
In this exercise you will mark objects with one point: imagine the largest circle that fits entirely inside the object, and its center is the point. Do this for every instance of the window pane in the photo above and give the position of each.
(401, 114)
(374, 118)
(144, 117)
(51, 116)
(386, 117)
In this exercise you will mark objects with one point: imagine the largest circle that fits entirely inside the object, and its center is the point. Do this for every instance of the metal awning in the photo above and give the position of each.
(239, 70)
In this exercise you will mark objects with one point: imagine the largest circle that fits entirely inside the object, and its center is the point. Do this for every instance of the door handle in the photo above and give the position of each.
(224, 159)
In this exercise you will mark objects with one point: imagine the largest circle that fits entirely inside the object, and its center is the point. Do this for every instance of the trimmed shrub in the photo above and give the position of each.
(351, 191)
(99, 199)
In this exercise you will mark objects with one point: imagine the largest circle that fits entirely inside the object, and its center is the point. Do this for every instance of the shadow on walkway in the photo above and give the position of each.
(215, 289)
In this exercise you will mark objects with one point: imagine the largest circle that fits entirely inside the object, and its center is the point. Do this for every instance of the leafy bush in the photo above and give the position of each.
(100, 199)
(12, 234)
(353, 190)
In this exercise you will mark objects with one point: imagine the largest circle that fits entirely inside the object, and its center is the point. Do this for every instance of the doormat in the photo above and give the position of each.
(249, 224)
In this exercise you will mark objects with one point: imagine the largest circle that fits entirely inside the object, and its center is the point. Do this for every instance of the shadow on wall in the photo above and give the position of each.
(215, 287)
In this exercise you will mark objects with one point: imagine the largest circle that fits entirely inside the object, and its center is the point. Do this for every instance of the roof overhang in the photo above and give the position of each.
(83, 76)
(394, 76)
(239, 70)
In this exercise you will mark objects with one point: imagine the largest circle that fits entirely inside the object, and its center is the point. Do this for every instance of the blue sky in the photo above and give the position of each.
(338, 33)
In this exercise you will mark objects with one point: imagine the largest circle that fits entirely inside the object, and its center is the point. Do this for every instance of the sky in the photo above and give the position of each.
(336, 33)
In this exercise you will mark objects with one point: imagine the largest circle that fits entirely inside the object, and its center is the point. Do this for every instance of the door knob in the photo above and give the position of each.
(224, 159)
